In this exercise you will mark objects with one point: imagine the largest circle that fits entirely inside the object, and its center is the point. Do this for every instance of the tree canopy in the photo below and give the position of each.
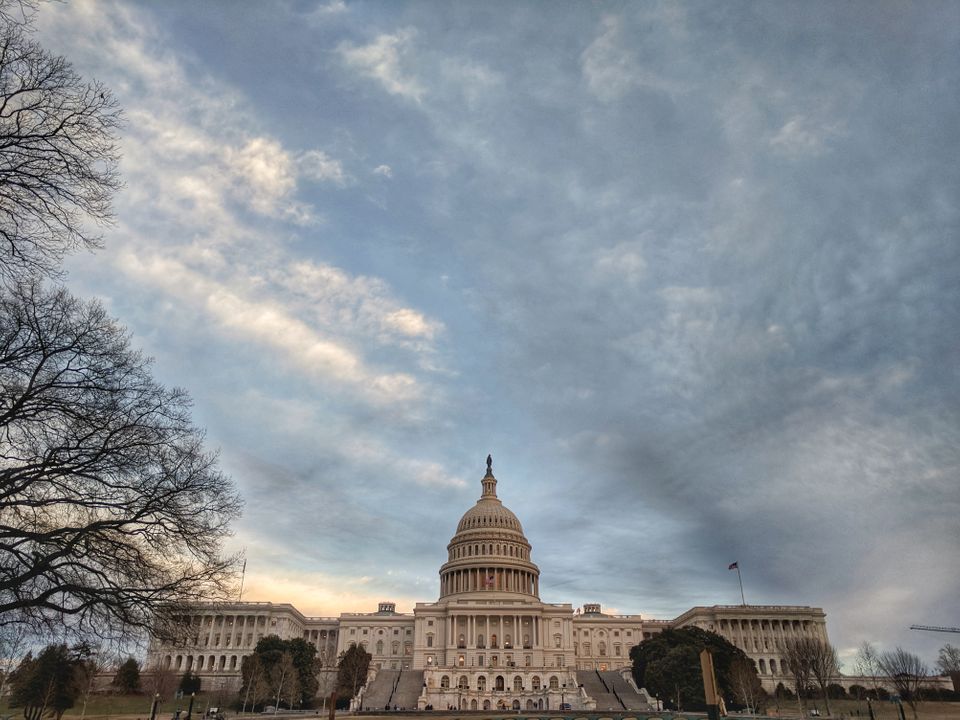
(110, 509)
(127, 678)
(58, 152)
(280, 669)
(48, 684)
(352, 667)
(112, 513)
(669, 663)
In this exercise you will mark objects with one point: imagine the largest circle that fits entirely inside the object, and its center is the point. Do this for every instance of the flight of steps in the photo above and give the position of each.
(625, 691)
(596, 687)
(379, 690)
(408, 690)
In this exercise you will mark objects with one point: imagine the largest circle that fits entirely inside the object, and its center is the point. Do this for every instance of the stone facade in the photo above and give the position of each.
(488, 640)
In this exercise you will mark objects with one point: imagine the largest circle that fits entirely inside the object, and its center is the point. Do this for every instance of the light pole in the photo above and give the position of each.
(563, 689)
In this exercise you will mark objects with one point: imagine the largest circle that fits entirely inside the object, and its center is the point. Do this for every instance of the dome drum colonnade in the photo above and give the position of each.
(489, 558)
(489, 551)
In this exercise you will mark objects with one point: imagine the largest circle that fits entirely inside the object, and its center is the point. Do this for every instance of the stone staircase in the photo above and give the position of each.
(596, 687)
(379, 691)
(408, 689)
(625, 691)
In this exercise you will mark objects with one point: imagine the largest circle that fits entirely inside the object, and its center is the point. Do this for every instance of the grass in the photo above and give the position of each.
(137, 707)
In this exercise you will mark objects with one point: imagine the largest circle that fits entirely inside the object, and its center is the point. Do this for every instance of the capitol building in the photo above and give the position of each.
(488, 641)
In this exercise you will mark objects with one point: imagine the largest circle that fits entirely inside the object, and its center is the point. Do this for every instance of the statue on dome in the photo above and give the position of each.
(489, 463)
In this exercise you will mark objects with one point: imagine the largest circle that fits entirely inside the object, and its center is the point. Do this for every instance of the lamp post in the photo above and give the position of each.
(563, 689)
(153, 707)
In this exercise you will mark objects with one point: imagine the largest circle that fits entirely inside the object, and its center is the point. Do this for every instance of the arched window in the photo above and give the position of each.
(395, 647)
(773, 667)
(379, 647)
(498, 683)
(517, 683)
(482, 682)
(763, 666)
(554, 682)
(445, 681)
(480, 641)
(526, 641)
(602, 648)
(535, 682)
(233, 662)
(516, 704)
(463, 683)
(493, 641)
(430, 640)
(200, 663)
(461, 641)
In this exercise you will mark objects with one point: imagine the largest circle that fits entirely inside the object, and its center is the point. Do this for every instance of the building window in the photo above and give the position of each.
(557, 640)
(429, 640)
(445, 681)
(517, 683)
(353, 631)
(462, 683)
(482, 682)
(554, 683)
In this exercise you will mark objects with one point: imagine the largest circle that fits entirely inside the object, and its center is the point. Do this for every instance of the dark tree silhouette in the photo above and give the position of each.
(111, 513)
(907, 672)
(49, 683)
(58, 152)
(352, 667)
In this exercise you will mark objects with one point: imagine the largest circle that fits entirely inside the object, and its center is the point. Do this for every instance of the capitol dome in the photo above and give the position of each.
(489, 552)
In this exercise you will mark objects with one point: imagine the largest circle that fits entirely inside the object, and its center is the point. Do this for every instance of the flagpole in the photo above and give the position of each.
(243, 574)
(742, 598)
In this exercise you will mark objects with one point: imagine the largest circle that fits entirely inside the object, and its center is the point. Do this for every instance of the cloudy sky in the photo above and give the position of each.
(691, 273)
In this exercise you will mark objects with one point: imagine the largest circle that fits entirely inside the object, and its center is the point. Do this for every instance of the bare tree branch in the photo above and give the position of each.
(58, 152)
(111, 512)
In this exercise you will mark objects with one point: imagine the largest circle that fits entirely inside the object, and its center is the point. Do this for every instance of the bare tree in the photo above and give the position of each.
(800, 666)
(867, 663)
(747, 687)
(824, 665)
(907, 672)
(112, 514)
(160, 681)
(948, 660)
(58, 152)
(96, 662)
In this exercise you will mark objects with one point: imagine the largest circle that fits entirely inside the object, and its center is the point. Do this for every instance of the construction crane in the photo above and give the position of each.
(935, 628)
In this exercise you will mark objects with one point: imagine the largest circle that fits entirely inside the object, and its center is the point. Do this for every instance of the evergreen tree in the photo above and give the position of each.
(48, 684)
(668, 665)
(127, 678)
